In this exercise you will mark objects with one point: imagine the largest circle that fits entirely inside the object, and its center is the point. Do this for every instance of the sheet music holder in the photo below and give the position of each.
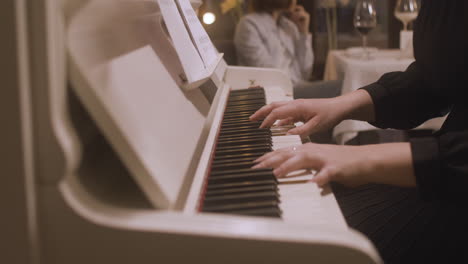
(193, 45)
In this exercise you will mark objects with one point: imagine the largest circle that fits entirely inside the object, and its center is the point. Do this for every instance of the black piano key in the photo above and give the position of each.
(225, 132)
(228, 161)
(249, 104)
(241, 111)
(252, 136)
(246, 104)
(239, 171)
(233, 136)
(242, 189)
(247, 183)
(231, 133)
(247, 98)
(241, 177)
(240, 121)
(233, 165)
(272, 211)
(249, 90)
(246, 147)
(239, 126)
(239, 115)
(225, 143)
(245, 141)
(253, 155)
(240, 198)
(240, 206)
(229, 152)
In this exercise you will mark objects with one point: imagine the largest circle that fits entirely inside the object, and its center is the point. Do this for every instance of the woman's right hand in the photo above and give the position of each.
(316, 114)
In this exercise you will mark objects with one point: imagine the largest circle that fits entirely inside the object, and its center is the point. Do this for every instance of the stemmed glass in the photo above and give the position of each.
(365, 19)
(406, 11)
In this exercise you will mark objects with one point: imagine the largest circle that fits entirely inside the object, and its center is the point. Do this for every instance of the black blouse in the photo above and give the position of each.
(433, 85)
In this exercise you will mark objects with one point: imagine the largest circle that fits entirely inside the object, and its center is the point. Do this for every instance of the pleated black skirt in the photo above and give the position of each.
(403, 227)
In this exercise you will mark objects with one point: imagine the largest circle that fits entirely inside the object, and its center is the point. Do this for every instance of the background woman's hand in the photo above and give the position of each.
(301, 18)
(316, 114)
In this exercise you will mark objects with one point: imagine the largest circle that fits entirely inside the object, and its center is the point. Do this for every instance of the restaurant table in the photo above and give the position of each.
(356, 72)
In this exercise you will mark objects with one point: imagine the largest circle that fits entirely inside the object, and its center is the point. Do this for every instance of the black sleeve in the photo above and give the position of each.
(403, 101)
(441, 166)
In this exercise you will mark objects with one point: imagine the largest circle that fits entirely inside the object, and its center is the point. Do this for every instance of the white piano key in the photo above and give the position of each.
(306, 203)
(301, 200)
(275, 94)
(286, 141)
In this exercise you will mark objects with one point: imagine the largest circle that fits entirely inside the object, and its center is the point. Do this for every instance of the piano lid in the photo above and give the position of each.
(125, 71)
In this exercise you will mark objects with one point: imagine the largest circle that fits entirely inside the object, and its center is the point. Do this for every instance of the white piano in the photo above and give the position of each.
(117, 147)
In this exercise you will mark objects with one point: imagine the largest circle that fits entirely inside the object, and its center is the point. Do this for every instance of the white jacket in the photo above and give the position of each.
(260, 41)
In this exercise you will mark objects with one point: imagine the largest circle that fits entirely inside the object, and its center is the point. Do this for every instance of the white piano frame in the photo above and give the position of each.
(56, 219)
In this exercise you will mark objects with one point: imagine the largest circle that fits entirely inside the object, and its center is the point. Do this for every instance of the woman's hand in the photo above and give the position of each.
(316, 114)
(301, 18)
(349, 165)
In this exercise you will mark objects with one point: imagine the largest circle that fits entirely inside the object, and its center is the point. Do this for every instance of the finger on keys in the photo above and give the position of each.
(287, 121)
(323, 177)
(264, 157)
(261, 113)
(269, 154)
(292, 164)
(305, 129)
(274, 160)
(282, 112)
(266, 110)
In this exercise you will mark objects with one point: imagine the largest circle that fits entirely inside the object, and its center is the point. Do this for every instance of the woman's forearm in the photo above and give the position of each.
(357, 105)
(389, 163)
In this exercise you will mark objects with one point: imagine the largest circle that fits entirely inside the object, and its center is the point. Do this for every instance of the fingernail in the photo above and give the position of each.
(277, 173)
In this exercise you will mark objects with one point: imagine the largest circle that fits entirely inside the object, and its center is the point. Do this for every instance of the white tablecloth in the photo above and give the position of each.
(356, 73)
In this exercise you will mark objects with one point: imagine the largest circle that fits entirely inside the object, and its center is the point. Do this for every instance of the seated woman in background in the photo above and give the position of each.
(276, 35)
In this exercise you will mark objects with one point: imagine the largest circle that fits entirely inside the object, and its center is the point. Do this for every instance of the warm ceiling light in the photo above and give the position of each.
(209, 18)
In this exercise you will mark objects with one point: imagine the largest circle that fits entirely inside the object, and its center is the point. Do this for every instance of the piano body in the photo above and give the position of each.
(120, 147)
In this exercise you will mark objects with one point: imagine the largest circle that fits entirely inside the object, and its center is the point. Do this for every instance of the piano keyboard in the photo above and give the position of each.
(232, 186)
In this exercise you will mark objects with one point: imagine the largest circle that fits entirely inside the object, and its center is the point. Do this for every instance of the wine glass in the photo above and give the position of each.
(365, 19)
(406, 11)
